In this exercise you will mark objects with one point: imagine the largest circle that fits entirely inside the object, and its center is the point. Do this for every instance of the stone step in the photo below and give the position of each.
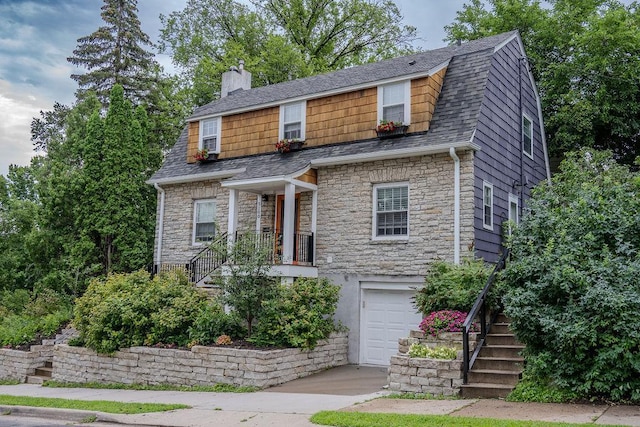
(509, 351)
(502, 318)
(493, 376)
(501, 328)
(501, 339)
(35, 379)
(499, 363)
(44, 372)
(485, 390)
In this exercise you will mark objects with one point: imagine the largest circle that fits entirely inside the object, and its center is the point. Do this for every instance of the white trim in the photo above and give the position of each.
(374, 211)
(509, 40)
(303, 119)
(514, 199)
(327, 93)
(485, 185)
(232, 216)
(258, 212)
(197, 177)
(195, 213)
(218, 133)
(406, 99)
(160, 224)
(456, 205)
(393, 154)
(527, 117)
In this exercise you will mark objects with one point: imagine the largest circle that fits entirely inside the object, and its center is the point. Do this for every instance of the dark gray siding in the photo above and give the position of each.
(500, 161)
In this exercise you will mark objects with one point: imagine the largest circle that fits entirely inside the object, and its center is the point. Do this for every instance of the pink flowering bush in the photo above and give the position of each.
(444, 321)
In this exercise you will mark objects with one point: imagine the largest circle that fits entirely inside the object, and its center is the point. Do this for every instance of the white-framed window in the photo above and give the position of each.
(293, 118)
(394, 102)
(514, 215)
(210, 135)
(487, 205)
(527, 135)
(204, 221)
(391, 211)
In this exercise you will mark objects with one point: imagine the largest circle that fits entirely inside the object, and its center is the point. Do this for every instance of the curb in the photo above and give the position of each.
(63, 414)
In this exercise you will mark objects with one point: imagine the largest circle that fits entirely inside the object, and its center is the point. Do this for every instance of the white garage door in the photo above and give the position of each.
(386, 316)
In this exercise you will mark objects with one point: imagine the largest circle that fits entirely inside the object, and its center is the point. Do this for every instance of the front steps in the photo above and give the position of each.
(41, 375)
(498, 367)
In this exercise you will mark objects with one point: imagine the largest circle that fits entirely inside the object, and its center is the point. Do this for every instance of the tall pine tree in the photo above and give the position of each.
(117, 53)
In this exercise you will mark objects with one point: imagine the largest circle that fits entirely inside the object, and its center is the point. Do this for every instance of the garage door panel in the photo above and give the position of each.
(387, 316)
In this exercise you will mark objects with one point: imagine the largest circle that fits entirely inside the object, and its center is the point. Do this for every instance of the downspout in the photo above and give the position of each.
(160, 224)
(456, 205)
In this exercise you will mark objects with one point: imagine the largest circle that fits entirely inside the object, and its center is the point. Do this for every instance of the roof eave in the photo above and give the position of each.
(196, 177)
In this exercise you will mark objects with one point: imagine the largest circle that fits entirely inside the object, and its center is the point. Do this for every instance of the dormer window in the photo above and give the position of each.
(210, 135)
(293, 121)
(394, 103)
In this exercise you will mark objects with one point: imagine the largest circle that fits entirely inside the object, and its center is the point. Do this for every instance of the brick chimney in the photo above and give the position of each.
(234, 79)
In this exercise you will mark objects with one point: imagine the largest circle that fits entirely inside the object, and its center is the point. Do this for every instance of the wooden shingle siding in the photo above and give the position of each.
(192, 141)
(249, 133)
(499, 135)
(310, 176)
(424, 94)
(341, 118)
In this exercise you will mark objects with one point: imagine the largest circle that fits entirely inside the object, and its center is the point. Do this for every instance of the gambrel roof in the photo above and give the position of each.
(452, 125)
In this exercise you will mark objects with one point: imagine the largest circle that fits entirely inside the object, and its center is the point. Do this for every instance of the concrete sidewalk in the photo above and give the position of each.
(292, 404)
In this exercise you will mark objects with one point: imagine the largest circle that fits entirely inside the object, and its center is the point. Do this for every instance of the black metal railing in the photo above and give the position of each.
(208, 259)
(480, 308)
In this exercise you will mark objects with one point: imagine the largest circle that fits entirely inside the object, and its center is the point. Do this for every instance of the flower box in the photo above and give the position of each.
(392, 132)
(288, 145)
(204, 155)
(212, 157)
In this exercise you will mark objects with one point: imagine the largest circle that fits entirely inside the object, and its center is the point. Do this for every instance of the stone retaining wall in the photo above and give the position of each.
(423, 375)
(200, 366)
(16, 364)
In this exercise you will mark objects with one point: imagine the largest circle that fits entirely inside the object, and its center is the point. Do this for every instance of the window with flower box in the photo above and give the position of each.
(210, 135)
(390, 211)
(293, 121)
(394, 103)
(204, 221)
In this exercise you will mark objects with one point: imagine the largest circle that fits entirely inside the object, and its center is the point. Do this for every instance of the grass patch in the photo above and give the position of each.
(9, 382)
(362, 419)
(419, 396)
(89, 405)
(218, 388)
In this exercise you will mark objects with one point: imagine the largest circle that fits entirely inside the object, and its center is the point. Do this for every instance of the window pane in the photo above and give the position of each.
(527, 135)
(393, 114)
(292, 131)
(210, 144)
(513, 212)
(393, 94)
(205, 212)
(392, 204)
(205, 231)
(293, 113)
(209, 127)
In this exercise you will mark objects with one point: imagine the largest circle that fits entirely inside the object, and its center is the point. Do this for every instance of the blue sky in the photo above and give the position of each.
(36, 37)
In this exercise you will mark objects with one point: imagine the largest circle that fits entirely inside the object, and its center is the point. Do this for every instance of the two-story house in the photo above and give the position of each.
(369, 210)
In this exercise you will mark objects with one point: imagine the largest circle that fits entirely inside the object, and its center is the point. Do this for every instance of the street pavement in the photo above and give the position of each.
(349, 388)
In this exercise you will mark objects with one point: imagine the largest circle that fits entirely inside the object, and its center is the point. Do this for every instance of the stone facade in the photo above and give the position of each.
(423, 375)
(345, 215)
(200, 366)
(17, 365)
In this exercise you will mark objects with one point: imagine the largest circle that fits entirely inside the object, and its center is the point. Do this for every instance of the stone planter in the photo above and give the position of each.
(396, 132)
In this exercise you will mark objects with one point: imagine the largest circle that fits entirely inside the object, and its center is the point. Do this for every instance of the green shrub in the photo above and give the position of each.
(449, 286)
(14, 301)
(574, 279)
(212, 322)
(420, 350)
(300, 315)
(131, 309)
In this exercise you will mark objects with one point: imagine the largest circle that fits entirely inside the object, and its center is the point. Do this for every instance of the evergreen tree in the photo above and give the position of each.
(115, 54)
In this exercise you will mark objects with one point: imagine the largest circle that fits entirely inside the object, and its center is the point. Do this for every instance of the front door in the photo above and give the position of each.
(280, 225)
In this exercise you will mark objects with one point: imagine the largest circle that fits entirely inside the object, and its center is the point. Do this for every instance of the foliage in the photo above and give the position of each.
(25, 317)
(249, 283)
(444, 321)
(216, 388)
(212, 322)
(278, 40)
(300, 314)
(126, 310)
(539, 389)
(585, 57)
(574, 279)
(452, 287)
(420, 350)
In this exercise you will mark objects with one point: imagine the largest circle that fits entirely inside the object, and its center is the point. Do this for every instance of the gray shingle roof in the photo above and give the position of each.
(454, 118)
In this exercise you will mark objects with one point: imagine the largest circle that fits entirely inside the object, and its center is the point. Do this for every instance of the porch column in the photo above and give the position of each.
(314, 220)
(232, 225)
(288, 225)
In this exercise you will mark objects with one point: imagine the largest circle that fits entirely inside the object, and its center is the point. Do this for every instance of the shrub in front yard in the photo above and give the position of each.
(299, 316)
(574, 279)
(420, 350)
(444, 321)
(212, 322)
(448, 286)
(126, 310)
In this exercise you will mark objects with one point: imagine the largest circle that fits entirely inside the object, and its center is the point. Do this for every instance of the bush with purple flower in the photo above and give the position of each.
(444, 321)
